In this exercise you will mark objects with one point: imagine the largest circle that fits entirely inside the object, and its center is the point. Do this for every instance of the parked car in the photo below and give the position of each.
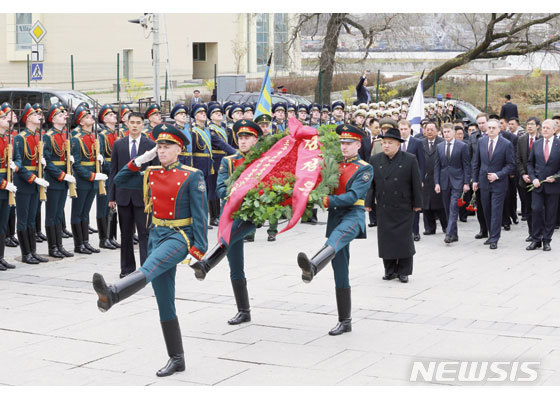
(18, 97)
(253, 97)
(463, 110)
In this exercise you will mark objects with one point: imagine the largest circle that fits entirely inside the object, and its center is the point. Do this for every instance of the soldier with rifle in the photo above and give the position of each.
(7, 188)
(59, 175)
(11, 240)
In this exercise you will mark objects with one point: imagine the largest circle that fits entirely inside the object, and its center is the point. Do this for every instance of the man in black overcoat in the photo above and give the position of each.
(398, 193)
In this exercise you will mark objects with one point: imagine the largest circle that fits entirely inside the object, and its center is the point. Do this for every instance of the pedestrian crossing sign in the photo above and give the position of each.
(36, 71)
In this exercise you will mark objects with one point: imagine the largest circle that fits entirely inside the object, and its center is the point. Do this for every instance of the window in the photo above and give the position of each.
(199, 51)
(262, 41)
(22, 98)
(23, 27)
(280, 39)
(127, 64)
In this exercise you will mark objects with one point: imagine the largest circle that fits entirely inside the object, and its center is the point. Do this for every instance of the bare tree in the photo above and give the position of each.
(239, 50)
(334, 23)
(499, 35)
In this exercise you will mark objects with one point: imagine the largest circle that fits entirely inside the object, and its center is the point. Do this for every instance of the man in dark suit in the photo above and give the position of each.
(543, 165)
(452, 173)
(130, 202)
(509, 109)
(524, 145)
(482, 123)
(492, 164)
(362, 93)
(432, 203)
(196, 98)
(413, 146)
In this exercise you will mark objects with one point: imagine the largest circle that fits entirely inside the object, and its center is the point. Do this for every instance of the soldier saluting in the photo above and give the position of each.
(177, 194)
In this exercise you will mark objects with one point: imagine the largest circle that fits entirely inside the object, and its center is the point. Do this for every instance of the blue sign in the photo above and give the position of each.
(36, 71)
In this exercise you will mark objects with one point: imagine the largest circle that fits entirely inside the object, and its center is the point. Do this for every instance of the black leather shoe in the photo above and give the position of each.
(249, 239)
(66, 234)
(209, 261)
(310, 268)
(91, 229)
(108, 295)
(344, 308)
(389, 277)
(416, 238)
(214, 222)
(240, 317)
(2, 268)
(10, 242)
(529, 239)
(429, 233)
(534, 245)
(515, 220)
(342, 327)
(175, 364)
(493, 246)
(106, 244)
(507, 227)
(487, 242)
(6, 265)
(481, 235)
(447, 239)
(116, 244)
(462, 219)
(372, 224)
(546, 247)
(403, 278)
(271, 237)
(523, 218)
(24, 245)
(174, 344)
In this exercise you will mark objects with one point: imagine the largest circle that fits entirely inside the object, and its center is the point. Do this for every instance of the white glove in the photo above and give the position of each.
(69, 178)
(146, 157)
(10, 187)
(41, 182)
(43, 161)
(100, 158)
(72, 159)
(100, 177)
(13, 166)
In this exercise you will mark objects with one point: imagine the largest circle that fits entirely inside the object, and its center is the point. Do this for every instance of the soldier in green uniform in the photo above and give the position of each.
(248, 133)
(338, 112)
(25, 162)
(153, 115)
(11, 240)
(54, 153)
(83, 151)
(346, 222)
(177, 194)
(5, 187)
(180, 114)
(235, 113)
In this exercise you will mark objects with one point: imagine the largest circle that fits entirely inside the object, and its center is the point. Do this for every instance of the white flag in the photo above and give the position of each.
(416, 110)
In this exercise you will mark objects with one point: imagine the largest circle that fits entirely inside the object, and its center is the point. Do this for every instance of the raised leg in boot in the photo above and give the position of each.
(310, 268)
(108, 295)
(209, 261)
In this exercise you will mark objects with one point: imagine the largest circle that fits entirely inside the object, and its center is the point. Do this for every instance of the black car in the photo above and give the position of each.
(253, 97)
(19, 97)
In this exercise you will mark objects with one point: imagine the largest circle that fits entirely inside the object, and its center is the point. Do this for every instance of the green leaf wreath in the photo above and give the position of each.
(270, 200)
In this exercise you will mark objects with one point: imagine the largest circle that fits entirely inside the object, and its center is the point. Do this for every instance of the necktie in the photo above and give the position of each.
(546, 151)
(530, 143)
(431, 146)
(133, 151)
(491, 149)
(448, 151)
(404, 146)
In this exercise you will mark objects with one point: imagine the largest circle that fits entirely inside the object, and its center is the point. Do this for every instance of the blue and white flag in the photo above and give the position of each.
(416, 110)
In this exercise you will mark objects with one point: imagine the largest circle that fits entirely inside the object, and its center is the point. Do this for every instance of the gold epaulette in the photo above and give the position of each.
(191, 169)
(153, 167)
(363, 162)
(230, 157)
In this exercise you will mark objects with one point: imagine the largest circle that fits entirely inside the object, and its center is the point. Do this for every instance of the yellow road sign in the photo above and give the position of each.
(37, 31)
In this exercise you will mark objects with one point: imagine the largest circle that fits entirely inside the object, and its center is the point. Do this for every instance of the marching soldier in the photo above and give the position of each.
(54, 153)
(177, 194)
(179, 114)
(235, 113)
(248, 133)
(279, 122)
(5, 187)
(346, 222)
(219, 149)
(107, 138)
(11, 240)
(40, 237)
(26, 160)
(153, 115)
(87, 180)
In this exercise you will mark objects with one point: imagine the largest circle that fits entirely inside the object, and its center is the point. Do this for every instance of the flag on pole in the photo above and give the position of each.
(416, 110)
(264, 104)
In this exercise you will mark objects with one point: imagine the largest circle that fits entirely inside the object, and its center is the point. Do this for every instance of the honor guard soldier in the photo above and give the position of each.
(279, 123)
(248, 111)
(25, 163)
(177, 195)
(153, 115)
(227, 120)
(302, 113)
(179, 113)
(40, 237)
(125, 113)
(235, 113)
(87, 180)
(338, 112)
(220, 148)
(314, 111)
(6, 188)
(325, 114)
(107, 138)
(291, 111)
(346, 222)
(56, 157)
(11, 240)
(248, 133)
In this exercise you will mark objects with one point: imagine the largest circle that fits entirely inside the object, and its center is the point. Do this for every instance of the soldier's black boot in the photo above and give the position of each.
(40, 238)
(314, 219)
(65, 233)
(26, 256)
(78, 241)
(174, 344)
(51, 240)
(33, 245)
(213, 214)
(310, 268)
(242, 301)
(113, 231)
(58, 240)
(85, 238)
(120, 290)
(209, 261)
(103, 238)
(12, 228)
(91, 230)
(344, 305)
(4, 265)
